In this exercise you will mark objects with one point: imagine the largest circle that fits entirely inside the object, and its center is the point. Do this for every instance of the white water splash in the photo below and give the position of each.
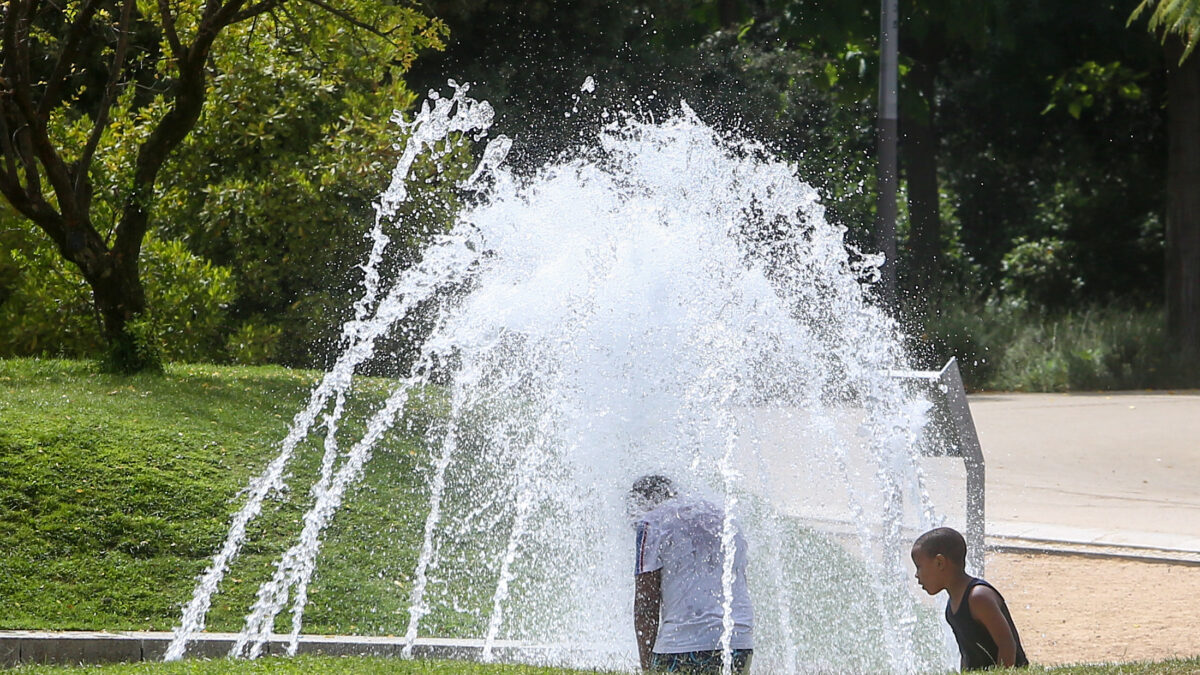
(661, 302)
(433, 124)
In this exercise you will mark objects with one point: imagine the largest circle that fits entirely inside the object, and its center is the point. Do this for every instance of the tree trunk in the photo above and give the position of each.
(1183, 202)
(920, 167)
(118, 295)
(727, 13)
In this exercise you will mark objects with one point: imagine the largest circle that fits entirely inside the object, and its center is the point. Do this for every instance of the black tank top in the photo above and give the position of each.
(974, 642)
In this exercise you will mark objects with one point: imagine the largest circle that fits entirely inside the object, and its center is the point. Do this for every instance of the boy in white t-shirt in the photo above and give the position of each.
(679, 597)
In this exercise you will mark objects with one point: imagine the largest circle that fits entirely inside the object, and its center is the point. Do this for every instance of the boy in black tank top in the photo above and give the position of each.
(976, 611)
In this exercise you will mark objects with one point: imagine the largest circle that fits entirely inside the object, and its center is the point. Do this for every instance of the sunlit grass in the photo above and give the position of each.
(115, 491)
(301, 664)
(368, 665)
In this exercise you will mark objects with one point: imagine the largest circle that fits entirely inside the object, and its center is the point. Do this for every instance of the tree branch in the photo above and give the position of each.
(211, 9)
(298, 26)
(32, 207)
(254, 10)
(344, 16)
(22, 149)
(17, 69)
(18, 146)
(11, 170)
(187, 104)
(67, 56)
(83, 183)
(28, 203)
(216, 17)
(177, 50)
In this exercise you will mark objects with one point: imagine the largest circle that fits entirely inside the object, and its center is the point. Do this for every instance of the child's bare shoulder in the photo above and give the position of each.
(983, 597)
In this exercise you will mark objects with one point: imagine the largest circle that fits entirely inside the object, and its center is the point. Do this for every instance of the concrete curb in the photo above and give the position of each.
(82, 647)
(1093, 550)
(1109, 538)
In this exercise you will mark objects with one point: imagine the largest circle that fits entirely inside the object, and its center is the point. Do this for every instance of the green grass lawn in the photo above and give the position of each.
(115, 491)
(357, 665)
(300, 664)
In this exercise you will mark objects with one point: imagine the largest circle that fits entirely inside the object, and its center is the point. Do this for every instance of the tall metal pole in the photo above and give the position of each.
(886, 130)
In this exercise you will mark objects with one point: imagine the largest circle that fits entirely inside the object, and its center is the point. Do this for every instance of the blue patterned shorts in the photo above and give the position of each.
(700, 663)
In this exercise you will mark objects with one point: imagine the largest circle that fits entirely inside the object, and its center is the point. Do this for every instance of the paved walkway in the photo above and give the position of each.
(1115, 469)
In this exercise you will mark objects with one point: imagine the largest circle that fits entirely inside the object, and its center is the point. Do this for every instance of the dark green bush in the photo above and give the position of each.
(1040, 273)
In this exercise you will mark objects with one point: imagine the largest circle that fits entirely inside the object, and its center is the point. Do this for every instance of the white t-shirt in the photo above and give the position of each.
(682, 537)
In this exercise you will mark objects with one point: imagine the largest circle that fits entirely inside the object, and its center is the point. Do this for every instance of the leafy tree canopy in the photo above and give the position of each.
(101, 98)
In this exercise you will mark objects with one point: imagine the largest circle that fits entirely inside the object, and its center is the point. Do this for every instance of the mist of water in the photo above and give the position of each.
(666, 300)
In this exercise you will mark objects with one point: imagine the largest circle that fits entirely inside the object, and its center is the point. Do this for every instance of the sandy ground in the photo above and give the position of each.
(1079, 609)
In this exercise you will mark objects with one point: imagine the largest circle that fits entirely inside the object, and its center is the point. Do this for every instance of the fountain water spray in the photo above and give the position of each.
(433, 124)
(667, 300)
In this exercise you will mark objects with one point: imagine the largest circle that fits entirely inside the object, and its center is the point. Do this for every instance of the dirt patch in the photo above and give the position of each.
(1079, 609)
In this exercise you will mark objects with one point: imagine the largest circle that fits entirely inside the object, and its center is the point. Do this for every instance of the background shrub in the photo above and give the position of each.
(46, 308)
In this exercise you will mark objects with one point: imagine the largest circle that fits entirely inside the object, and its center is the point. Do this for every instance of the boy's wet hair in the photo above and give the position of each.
(943, 541)
(654, 488)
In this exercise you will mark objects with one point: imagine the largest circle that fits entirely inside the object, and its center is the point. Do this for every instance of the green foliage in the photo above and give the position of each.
(1048, 120)
(1056, 131)
(800, 76)
(1039, 274)
(732, 62)
(293, 143)
(253, 343)
(137, 349)
(1173, 17)
(46, 307)
(1007, 348)
(279, 179)
(1092, 84)
(748, 86)
(189, 296)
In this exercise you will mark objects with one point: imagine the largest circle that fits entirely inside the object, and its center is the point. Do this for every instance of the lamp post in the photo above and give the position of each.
(886, 130)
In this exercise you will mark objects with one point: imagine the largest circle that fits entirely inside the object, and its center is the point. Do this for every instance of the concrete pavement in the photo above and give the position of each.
(1111, 473)
(1109, 469)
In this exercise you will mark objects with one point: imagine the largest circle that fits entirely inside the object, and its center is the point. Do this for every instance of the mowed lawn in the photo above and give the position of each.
(372, 665)
(116, 491)
(302, 665)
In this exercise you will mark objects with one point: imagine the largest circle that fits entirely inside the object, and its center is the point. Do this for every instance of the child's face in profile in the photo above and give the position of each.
(932, 571)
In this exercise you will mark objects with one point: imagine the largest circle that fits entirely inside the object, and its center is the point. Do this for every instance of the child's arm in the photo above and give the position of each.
(647, 599)
(985, 608)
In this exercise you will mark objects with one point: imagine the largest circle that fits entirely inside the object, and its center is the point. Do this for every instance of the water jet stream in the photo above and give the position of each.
(457, 114)
(657, 302)
(417, 605)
